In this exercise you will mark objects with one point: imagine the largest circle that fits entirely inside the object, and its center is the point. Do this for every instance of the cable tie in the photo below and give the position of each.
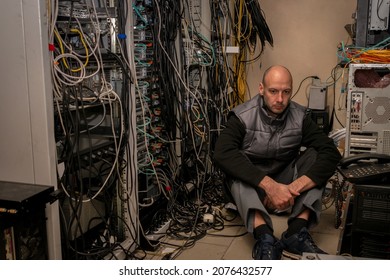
(121, 36)
(52, 48)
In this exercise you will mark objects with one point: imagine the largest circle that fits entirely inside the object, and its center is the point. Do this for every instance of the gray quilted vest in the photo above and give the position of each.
(269, 142)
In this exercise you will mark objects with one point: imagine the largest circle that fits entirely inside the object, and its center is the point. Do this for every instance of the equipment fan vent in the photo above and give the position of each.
(378, 110)
(386, 142)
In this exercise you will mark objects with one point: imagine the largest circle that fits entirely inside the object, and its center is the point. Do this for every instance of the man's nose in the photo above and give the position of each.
(279, 97)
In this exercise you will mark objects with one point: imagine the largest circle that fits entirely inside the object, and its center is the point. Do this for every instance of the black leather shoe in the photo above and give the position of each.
(267, 248)
(300, 242)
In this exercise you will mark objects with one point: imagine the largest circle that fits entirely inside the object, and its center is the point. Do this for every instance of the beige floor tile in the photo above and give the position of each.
(327, 242)
(279, 224)
(224, 237)
(327, 224)
(240, 248)
(203, 251)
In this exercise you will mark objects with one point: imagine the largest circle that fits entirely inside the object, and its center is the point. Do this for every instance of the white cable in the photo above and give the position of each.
(69, 79)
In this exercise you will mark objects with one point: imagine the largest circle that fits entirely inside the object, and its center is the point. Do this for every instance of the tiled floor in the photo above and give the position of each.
(234, 243)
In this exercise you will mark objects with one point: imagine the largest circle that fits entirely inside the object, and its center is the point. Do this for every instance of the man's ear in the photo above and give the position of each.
(261, 89)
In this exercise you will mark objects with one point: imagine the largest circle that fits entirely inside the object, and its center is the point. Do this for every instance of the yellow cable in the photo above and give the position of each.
(85, 47)
(369, 56)
(63, 51)
(61, 46)
(237, 65)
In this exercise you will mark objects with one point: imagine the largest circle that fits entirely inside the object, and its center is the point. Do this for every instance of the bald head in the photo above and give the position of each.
(277, 72)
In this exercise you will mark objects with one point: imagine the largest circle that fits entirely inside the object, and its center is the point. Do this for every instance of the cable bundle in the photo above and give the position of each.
(369, 56)
(249, 24)
(260, 27)
(378, 53)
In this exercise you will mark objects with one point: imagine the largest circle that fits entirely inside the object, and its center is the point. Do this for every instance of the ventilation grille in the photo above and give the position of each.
(386, 142)
(378, 110)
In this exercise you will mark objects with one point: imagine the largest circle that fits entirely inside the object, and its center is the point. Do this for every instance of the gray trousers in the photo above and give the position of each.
(248, 199)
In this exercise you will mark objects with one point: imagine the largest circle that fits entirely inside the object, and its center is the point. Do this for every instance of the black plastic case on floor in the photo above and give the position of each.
(23, 220)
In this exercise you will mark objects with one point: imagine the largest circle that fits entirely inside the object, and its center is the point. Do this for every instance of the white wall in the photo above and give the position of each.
(306, 34)
(27, 146)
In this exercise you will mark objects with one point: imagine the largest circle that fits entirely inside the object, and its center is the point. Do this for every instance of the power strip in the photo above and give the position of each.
(160, 232)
